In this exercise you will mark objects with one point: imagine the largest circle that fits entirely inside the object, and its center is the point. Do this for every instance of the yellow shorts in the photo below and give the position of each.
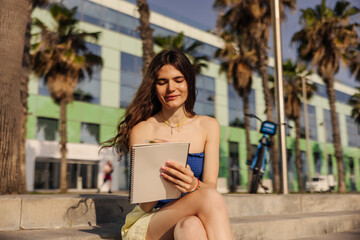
(136, 224)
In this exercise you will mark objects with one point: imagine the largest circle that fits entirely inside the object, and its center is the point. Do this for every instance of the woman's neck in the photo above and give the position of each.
(173, 117)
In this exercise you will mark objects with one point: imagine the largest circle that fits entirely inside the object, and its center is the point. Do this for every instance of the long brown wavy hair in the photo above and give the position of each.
(146, 104)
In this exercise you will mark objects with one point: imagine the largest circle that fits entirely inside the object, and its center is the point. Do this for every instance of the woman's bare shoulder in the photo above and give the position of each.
(142, 129)
(208, 122)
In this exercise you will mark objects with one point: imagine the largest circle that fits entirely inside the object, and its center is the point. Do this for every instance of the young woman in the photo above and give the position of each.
(162, 110)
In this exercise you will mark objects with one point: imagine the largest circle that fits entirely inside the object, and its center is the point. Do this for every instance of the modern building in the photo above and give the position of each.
(101, 101)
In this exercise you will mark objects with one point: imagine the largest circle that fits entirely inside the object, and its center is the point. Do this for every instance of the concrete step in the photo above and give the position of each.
(272, 204)
(106, 231)
(291, 226)
(261, 216)
(294, 226)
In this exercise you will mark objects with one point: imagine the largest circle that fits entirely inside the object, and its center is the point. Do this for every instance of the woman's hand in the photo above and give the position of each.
(181, 177)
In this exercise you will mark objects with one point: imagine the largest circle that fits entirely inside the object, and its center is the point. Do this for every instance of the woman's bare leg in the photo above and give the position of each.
(190, 228)
(206, 204)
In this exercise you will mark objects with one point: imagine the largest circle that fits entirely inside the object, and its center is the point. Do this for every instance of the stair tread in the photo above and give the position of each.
(281, 217)
(106, 231)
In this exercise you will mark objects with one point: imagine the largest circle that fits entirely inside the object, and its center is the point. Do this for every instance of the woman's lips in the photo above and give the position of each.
(170, 98)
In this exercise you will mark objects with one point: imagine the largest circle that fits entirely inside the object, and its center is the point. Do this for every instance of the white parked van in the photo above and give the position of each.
(321, 183)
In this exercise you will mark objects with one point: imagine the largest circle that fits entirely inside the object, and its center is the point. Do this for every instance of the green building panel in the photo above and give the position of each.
(31, 127)
(107, 132)
(73, 129)
(74, 110)
(90, 113)
(46, 107)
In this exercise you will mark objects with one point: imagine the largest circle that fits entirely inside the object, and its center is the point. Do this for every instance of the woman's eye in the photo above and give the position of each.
(179, 80)
(160, 82)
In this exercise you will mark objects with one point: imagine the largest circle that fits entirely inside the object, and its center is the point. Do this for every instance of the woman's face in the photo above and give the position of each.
(171, 87)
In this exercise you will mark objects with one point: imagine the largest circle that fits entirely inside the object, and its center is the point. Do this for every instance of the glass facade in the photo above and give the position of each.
(328, 124)
(81, 174)
(130, 77)
(205, 99)
(234, 169)
(353, 132)
(311, 121)
(236, 108)
(88, 89)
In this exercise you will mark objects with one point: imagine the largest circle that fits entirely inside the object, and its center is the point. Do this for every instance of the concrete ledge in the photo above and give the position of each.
(270, 204)
(10, 210)
(61, 211)
(294, 226)
(73, 210)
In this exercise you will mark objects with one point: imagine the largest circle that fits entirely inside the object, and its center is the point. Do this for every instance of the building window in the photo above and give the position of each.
(80, 174)
(205, 98)
(328, 124)
(234, 170)
(47, 129)
(236, 108)
(352, 128)
(317, 158)
(130, 76)
(47, 174)
(88, 89)
(290, 169)
(330, 164)
(311, 121)
(89, 133)
(304, 166)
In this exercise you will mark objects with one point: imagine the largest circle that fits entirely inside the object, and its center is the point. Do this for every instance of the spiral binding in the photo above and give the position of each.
(131, 179)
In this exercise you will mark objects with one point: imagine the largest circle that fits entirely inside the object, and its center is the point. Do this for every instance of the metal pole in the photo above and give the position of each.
(306, 120)
(275, 12)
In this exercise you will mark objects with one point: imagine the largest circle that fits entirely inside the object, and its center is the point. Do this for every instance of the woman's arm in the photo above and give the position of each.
(211, 161)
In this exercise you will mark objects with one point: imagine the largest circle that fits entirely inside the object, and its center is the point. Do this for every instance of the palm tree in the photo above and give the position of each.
(294, 74)
(177, 42)
(12, 31)
(325, 35)
(145, 34)
(26, 70)
(355, 104)
(239, 65)
(62, 58)
(252, 18)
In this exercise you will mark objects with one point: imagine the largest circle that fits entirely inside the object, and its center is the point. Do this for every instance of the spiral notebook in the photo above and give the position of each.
(146, 183)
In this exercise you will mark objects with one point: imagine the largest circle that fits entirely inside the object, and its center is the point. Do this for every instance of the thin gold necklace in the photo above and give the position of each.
(186, 116)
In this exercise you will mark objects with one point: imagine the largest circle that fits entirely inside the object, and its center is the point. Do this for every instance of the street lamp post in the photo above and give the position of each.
(275, 17)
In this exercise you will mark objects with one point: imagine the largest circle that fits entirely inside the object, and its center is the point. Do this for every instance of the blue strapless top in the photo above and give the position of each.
(196, 163)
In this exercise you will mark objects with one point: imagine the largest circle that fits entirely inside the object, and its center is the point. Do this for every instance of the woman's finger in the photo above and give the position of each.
(185, 170)
(177, 174)
(182, 186)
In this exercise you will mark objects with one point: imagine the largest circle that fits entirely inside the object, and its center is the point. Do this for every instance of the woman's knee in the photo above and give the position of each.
(211, 198)
(189, 228)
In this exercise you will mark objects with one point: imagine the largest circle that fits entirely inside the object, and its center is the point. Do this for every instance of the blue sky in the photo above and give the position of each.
(200, 13)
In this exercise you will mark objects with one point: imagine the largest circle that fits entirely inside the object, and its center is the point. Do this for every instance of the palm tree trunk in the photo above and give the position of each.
(63, 150)
(262, 66)
(145, 34)
(245, 97)
(26, 69)
(336, 135)
(298, 155)
(13, 20)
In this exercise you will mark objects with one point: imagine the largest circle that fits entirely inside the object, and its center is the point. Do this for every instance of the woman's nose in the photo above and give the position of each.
(171, 86)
